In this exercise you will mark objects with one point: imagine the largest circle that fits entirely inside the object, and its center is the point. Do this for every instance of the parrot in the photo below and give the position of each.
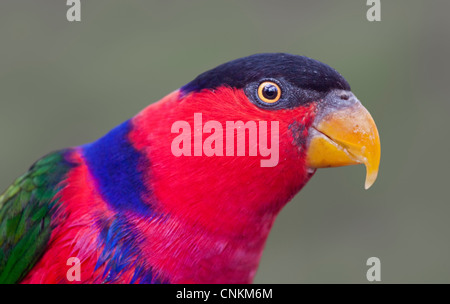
(144, 204)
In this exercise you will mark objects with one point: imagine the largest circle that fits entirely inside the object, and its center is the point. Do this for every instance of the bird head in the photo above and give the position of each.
(325, 117)
(319, 123)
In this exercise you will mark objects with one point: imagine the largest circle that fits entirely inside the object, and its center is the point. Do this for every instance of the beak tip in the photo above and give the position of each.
(370, 180)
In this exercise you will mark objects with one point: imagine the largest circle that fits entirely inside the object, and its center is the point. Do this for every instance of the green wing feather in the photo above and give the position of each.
(25, 216)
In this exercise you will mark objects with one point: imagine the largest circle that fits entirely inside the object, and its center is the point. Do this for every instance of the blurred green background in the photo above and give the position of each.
(64, 84)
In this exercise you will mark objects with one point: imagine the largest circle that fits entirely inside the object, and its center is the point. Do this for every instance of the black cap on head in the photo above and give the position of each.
(301, 72)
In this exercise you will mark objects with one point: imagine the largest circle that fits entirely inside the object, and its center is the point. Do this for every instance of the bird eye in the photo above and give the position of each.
(269, 92)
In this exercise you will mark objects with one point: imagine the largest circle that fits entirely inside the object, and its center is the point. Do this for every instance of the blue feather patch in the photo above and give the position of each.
(117, 168)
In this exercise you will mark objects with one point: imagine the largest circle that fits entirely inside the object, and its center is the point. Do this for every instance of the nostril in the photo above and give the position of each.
(345, 97)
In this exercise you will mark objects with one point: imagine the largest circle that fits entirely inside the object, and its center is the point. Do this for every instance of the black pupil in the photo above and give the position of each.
(270, 91)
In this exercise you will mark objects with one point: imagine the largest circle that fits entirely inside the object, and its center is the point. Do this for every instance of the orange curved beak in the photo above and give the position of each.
(345, 135)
